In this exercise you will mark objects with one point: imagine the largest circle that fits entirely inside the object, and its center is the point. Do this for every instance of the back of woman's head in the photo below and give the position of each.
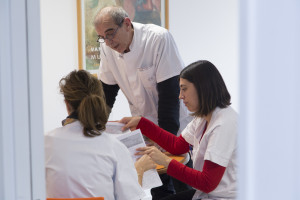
(85, 95)
(210, 86)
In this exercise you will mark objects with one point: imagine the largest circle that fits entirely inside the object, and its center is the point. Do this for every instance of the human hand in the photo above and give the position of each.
(130, 122)
(144, 163)
(155, 154)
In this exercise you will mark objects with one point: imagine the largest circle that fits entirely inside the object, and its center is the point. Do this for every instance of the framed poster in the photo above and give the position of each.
(143, 11)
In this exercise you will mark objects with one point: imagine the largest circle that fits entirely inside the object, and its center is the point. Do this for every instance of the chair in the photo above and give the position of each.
(90, 198)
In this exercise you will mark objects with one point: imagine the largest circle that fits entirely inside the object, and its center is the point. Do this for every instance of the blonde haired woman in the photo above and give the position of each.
(81, 159)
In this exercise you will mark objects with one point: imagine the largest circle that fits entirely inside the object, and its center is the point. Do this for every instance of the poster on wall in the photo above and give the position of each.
(142, 11)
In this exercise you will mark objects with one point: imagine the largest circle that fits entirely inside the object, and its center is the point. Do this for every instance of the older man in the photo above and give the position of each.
(142, 60)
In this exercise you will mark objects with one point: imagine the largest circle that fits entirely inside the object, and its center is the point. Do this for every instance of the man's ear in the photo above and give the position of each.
(127, 23)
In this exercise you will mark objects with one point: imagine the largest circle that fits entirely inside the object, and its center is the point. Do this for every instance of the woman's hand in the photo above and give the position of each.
(130, 122)
(143, 164)
(155, 154)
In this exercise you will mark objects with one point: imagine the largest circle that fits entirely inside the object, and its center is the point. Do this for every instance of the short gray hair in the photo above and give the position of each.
(117, 13)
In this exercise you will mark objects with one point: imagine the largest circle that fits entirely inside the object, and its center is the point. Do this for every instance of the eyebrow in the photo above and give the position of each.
(105, 32)
(108, 30)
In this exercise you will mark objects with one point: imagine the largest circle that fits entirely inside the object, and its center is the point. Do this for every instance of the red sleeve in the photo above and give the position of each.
(206, 181)
(173, 144)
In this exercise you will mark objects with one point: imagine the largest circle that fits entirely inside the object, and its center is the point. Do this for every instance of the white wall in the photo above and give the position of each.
(59, 55)
(208, 30)
(203, 29)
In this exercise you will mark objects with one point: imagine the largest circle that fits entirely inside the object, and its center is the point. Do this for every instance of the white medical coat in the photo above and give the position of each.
(219, 145)
(153, 58)
(79, 166)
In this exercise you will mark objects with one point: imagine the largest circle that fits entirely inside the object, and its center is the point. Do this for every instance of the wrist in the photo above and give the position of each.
(167, 162)
(139, 170)
(139, 119)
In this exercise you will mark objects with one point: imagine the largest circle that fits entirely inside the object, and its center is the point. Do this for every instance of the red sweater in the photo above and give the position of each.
(206, 181)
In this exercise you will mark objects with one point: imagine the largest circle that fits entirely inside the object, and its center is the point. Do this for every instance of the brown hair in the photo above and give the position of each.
(210, 86)
(85, 94)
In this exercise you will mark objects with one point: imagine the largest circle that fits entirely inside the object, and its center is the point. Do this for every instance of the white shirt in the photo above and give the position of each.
(79, 166)
(153, 58)
(219, 145)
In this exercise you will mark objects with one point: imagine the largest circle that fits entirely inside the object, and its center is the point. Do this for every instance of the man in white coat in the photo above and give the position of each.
(142, 60)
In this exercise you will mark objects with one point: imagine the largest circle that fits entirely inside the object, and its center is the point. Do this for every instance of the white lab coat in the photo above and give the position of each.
(219, 145)
(153, 58)
(80, 166)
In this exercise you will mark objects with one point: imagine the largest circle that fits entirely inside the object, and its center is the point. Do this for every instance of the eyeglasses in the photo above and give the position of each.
(109, 36)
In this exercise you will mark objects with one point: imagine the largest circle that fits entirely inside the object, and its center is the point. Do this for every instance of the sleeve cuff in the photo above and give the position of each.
(141, 123)
(173, 167)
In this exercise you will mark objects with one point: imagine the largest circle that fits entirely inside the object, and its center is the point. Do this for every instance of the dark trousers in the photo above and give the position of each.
(165, 190)
(184, 195)
(170, 186)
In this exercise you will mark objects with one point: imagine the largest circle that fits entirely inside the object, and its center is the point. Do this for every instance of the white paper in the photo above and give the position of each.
(151, 179)
(132, 141)
(115, 128)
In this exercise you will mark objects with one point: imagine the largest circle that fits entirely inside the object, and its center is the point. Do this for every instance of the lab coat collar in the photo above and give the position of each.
(132, 46)
(71, 118)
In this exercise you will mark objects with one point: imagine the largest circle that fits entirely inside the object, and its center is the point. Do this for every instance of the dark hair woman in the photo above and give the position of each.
(212, 134)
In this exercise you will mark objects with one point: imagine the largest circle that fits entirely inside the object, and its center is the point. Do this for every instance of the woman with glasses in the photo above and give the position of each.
(82, 160)
(212, 134)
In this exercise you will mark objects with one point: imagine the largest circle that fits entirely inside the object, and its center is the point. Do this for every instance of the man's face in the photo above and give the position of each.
(119, 34)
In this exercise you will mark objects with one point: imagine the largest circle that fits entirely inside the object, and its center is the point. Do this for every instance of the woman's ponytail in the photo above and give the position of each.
(93, 115)
(84, 93)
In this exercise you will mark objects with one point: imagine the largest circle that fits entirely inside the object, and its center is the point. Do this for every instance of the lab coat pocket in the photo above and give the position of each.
(147, 76)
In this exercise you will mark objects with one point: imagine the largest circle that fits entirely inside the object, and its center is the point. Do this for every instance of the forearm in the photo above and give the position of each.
(140, 174)
(173, 144)
(206, 181)
(110, 92)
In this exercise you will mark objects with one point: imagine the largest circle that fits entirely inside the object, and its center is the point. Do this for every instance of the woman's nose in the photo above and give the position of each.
(180, 96)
